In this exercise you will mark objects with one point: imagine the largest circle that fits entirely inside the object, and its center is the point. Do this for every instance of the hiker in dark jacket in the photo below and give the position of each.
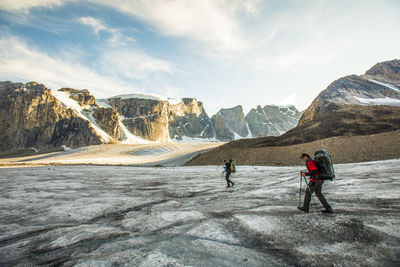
(228, 173)
(315, 184)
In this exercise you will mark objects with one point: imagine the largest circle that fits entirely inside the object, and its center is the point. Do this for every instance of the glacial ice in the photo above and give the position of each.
(184, 216)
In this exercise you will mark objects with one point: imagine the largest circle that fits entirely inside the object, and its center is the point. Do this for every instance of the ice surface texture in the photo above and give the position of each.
(184, 216)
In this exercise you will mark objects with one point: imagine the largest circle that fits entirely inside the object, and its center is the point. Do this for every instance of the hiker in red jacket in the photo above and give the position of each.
(315, 184)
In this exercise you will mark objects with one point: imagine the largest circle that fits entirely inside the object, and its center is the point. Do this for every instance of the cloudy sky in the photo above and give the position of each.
(222, 52)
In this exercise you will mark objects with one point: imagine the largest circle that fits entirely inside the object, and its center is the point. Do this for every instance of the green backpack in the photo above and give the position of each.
(232, 166)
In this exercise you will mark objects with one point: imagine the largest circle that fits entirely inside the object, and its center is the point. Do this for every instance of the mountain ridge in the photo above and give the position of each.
(134, 118)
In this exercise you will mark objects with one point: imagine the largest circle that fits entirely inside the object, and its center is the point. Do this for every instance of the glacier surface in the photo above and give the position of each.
(184, 216)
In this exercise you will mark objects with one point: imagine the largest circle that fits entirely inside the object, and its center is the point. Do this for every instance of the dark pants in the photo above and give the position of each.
(317, 187)
(227, 178)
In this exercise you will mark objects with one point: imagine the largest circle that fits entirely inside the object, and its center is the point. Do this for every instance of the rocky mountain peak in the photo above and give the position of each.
(229, 123)
(377, 87)
(186, 106)
(33, 118)
(272, 120)
(35, 86)
(388, 72)
(83, 97)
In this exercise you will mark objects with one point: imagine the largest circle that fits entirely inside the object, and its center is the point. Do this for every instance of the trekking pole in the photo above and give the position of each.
(300, 190)
(305, 180)
(222, 175)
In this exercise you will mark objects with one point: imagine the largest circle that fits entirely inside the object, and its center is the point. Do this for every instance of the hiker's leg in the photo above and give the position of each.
(307, 197)
(227, 178)
(228, 174)
(318, 192)
(230, 181)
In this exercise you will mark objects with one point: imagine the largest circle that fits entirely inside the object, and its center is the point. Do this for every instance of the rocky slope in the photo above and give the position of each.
(32, 117)
(360, 90)
(386, 72)
(342, 149)
(350, 106)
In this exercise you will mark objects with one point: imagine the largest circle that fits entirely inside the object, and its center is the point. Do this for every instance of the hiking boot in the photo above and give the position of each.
(327, 210)
(228, 186)
(233, 184)
(303, 209)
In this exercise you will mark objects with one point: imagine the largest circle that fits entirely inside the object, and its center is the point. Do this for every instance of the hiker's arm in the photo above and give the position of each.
(304, 173)
(313, 172)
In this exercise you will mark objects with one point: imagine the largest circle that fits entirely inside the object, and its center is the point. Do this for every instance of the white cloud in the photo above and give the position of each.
(121, 58)
(214, 23)
(117, 39)
(25, 5)
(19, 62)
(96, 24)
(133, 63)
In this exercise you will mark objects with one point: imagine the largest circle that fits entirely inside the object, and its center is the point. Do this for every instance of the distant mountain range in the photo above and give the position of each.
(35, 117)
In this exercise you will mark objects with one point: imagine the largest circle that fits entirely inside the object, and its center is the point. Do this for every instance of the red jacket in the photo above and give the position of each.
(312, 171)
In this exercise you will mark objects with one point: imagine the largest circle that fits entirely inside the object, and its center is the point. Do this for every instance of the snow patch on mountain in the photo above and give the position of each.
(248, 130)
(379, 101)
(390, 86)
(84, 112)
(64, 98)
(129, 138)
(249, 135)
(103, 103)
(172, 101)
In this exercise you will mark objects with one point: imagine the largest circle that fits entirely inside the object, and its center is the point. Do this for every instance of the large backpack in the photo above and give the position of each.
(324, 165)
(232, 166)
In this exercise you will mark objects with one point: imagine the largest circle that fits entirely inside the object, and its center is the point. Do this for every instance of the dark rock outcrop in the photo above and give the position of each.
(108, 120)
(228, 122)
(222, 132)
(146, 118)
(83, 97)
(30, 116)
(189, 118)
